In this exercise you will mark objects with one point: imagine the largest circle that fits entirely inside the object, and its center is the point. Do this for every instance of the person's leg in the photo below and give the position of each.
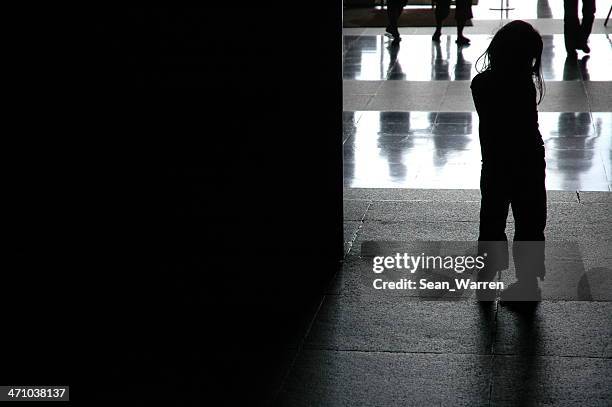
(529, 264)
(393, 13)
(442, 11)
(461, 39)
(493, 207)
(529, 204)
(492, 240)
(571, 25)
(528, 248)
(463, 12)
(460, 25)
(588, 16)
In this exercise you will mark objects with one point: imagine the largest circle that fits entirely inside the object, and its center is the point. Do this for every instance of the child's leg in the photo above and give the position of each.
(529, 206)
(492, 241)
(529, 210)
(493, 208)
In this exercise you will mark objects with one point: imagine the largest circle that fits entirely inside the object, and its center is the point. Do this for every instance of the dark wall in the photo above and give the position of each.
(174, 179)
(217, 133)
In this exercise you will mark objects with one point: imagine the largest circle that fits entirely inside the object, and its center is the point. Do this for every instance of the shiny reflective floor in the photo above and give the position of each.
(370, 57)
(409, 120)
(441, 150)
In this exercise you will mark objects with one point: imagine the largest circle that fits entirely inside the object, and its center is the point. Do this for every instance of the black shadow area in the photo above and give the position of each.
(209, 185)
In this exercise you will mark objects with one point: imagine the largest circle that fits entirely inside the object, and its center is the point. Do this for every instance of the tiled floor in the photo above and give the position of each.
(441, 150)
(370, 57)
(373, 348)
(410, 122)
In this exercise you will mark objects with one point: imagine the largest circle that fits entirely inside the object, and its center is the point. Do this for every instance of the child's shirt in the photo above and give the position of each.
(508, 116)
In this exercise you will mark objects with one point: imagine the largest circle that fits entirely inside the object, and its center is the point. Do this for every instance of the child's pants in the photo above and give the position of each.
(523, 188)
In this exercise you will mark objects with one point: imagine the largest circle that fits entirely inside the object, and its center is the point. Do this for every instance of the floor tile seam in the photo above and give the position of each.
(380, 30)
(398, 352)
(606, 166)
(446, 111)
(492, 355)
(363, 219)
(356, 233)
(421, 221)
(588, 99)
(572, 222)
(428, 136)
(472, 189)
(389, 221)
(602, 160)
(299, 349)
(420, 200)
(435, 188)
(463, 81)
(442, 201)
(550, 355)
(492, 349)
(399, 110)
(415, 299)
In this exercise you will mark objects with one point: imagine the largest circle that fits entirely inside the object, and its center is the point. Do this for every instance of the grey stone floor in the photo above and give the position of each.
(367, 348)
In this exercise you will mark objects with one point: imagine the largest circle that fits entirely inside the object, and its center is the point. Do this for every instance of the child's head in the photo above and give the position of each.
(515, 51)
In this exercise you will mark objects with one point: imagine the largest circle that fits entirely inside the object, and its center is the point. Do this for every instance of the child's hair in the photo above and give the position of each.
(514, 50)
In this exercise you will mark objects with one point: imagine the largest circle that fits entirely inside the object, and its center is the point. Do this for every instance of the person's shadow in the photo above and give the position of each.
(527, 322)
(519, 327)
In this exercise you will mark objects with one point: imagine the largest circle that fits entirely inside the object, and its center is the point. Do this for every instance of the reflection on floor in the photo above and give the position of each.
(442, 150)
(369, 57)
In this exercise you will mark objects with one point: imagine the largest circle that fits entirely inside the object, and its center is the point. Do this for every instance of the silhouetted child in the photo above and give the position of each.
(506, 93)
